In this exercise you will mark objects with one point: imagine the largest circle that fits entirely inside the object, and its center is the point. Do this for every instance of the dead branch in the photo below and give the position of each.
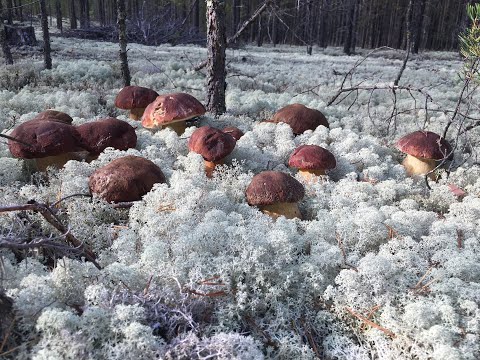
(49, 215)
(371, 323)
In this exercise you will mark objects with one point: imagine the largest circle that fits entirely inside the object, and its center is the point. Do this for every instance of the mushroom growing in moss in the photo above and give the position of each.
(300, 118)
(276, 194)
(213, 144)
(135, 99)
(54, 115)
(423, 149)
(312, 161)
(125, 179)
(234, 131)
(50, 143)
(172, 110)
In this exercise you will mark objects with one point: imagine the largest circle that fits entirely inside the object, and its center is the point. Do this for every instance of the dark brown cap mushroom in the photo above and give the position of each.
(423, 148)
(135, 99)
(125, 179)
(312, 160)
(172, 110)
(53, 141)
(276, 194)
(300, 118)
(233, 131)
(96, 136)
(213, 144)
(54, 115)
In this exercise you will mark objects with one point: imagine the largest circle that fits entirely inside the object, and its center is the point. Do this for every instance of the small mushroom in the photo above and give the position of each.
(213, 144)
(234, 131)
(54, 115)
(311, 161)
(423, 149)
(125, 179)
(276, 194)
(135, 99)
(96, 136)
(50, 143)
(300, 118)
(172, 110)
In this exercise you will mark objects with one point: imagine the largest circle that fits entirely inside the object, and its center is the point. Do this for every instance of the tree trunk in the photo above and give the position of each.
(348, 44)
(5, 47)
(101, 12)
(216, 44)
(83, 14)
(122, 39)
(196, 15)
(418, 27)
(47, 58)
(73, 15)
(58, 9)
(9, 12)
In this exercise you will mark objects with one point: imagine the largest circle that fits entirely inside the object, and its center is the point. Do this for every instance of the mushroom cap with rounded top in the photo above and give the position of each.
(424, 144)
(312, 157)
(171, 108)
(235, 132)
(125, 179)
(96, 136)
(42, 138)
(300, 118)
(271, 187)
(133, 97)
(213, 144)
(54, 115)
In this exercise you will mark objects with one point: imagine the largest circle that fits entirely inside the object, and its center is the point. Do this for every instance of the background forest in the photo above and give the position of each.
(349, 23)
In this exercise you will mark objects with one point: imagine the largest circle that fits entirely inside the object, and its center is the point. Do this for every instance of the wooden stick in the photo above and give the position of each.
(371, 323)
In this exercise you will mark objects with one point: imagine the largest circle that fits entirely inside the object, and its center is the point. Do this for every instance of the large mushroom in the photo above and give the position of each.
(50, 143)
(276, 194)
(172, 110)
(234, 131)
(96, 136)
(135, 99)
(312, 161)
(423, 149)
(54, 115)
(300, 118)
(213, 144)
(125, 179)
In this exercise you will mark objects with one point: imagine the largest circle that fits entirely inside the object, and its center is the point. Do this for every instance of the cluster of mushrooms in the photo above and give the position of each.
(50, 139)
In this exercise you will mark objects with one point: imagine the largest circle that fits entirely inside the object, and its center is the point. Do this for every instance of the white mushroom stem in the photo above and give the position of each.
(311, 175)
(137, 113)
(289, 210)
(210, 166)
(178, 126)
(57, 161)
(419, 166)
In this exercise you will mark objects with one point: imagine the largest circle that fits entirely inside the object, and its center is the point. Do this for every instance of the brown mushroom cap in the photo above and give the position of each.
(44, 138)
(133, 97)
(213, 144)
(424, 144)
(312, 157)
(271, 187)
(125, 179)
(96, 136)
(300, 118)
(235, 132)
(171, 108)
(54, 115)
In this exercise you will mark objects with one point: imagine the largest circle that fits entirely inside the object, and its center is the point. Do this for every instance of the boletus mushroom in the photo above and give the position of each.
(96, 136)
(276, 194)
(234, 131)
(125, 179)
(54, 115)
(312, 161)
(300, 118)
(135, 99)
(50, 143)
(423, 149)
(213, 144)
(172, 110)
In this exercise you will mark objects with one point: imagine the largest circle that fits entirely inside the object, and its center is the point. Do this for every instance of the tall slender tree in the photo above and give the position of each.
(122, 39)
(47, 58)
(216, 44)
